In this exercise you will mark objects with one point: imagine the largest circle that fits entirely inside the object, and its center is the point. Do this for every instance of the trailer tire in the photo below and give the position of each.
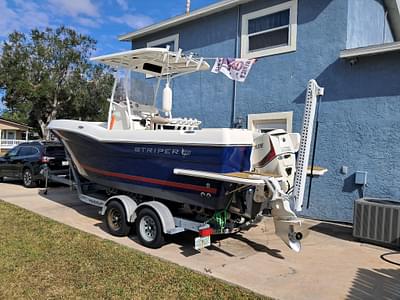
(115, 219)
(149, 229)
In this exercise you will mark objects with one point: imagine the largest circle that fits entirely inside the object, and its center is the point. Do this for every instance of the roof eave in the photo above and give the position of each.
(199, 13)
(370, 50)
(13, 123)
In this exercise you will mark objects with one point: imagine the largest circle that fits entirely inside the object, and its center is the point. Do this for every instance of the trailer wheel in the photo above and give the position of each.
(149, 229)
(115, 219)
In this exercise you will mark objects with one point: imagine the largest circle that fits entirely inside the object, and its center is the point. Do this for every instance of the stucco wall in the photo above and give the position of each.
(359, 122)
(367, 24)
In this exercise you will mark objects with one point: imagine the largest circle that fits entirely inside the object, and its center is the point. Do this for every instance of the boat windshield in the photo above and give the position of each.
(136, 90)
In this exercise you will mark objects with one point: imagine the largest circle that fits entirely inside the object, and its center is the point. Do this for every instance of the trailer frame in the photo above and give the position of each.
(171, 224)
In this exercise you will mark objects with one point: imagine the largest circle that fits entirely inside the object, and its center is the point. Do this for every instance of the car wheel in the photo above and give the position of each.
(1, 179)
(115, 219)
(149, 229)
(27, 178)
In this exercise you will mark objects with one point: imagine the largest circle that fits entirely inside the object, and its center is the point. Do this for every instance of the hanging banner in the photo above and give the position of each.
(234, 68)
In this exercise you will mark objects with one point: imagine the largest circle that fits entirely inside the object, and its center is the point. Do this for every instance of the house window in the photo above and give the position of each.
(268, 121)
(270, 31)
(172, 41)
(11, 135)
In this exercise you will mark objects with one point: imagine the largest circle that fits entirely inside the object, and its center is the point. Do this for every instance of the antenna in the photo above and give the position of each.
(187, 7)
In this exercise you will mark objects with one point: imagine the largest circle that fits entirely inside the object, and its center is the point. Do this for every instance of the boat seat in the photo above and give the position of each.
(159, 120)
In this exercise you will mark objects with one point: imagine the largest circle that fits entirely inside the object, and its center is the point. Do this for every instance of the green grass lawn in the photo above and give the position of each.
(42, 259)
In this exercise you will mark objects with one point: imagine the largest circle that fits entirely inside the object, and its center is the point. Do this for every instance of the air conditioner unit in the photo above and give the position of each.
(377, 221)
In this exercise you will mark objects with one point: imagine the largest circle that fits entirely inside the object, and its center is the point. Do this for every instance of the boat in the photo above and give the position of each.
(144, 150)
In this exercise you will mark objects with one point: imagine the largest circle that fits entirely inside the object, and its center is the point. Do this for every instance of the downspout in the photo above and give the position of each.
(385, 19)
(233, 117)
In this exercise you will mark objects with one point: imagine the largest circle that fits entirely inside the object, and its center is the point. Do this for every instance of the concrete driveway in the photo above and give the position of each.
(330, 266)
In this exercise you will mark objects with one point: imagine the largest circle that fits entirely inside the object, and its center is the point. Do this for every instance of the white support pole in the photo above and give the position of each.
(313, 91)
(26, 135)
(189, 59)
(178, 55)
(128, 101)
(110, 109)
(200, 63)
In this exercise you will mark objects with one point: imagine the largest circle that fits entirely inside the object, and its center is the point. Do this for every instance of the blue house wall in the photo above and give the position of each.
(360, 114)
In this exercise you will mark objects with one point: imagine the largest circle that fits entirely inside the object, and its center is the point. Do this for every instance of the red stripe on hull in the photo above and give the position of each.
(185, 186)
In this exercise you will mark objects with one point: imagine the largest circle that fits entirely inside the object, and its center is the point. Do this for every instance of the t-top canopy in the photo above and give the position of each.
(154, 61)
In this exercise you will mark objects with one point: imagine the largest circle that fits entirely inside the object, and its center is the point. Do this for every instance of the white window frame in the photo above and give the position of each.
(14, 132)
(252, 119)
(292, 6)
(172, 38)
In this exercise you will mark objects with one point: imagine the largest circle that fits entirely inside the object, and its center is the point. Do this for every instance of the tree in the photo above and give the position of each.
(48, 75)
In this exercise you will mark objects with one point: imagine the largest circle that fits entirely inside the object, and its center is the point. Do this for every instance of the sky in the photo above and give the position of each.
(103, 20)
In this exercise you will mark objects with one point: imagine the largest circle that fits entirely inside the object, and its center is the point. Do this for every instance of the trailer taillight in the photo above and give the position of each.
(206, 232)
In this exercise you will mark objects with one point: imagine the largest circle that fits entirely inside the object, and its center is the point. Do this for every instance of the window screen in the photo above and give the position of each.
(269, 39)
(270, 21)
(269, 31)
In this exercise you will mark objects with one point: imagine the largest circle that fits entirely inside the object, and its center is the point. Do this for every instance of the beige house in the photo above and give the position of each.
(12, 134)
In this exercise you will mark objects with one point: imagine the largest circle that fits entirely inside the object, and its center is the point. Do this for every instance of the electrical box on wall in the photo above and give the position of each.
(361, 177)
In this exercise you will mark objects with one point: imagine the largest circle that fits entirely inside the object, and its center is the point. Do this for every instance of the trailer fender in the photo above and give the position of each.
(128, 203)
(163, 212)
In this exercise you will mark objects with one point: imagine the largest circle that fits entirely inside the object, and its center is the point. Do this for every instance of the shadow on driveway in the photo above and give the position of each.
(375, 284)
(335, 230)
(66, 197)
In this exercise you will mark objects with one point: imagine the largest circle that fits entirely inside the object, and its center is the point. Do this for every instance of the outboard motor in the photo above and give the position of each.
(274, 155)
(273, 158)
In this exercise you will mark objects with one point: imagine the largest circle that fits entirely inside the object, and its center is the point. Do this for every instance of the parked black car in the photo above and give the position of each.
(26, 160)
